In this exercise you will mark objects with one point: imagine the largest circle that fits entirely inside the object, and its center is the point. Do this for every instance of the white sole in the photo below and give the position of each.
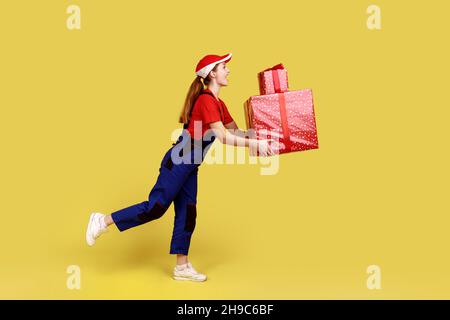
(88, 228)
(188, 279)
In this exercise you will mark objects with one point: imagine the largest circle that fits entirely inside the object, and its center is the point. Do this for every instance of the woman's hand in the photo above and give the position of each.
(263, 146)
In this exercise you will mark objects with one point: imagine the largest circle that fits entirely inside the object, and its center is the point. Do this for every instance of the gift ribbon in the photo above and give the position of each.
(275, 77)
(284, 122)
(275, 67)
(276, 81)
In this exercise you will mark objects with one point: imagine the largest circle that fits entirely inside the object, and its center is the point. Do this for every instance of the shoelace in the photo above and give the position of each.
(192, 268)
(189, 268)
(100, 230)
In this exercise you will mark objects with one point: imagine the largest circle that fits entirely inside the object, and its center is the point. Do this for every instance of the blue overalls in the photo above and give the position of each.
(177, 182)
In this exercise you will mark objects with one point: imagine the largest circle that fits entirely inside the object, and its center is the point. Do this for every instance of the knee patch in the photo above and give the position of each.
(154, 213)
(191, 215)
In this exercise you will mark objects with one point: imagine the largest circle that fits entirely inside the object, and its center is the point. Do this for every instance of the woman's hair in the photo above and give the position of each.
(194, 91)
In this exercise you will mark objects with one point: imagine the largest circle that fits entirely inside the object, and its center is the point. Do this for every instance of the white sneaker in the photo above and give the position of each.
(187, 272)
(95, 228)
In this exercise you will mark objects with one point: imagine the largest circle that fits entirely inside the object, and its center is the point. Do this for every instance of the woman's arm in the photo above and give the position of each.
(226, 137)
(233, 129)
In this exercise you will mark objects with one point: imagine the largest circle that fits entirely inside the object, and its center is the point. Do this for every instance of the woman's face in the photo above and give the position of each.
(221, 74)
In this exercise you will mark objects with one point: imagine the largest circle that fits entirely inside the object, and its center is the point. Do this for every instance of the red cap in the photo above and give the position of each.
(207, 63)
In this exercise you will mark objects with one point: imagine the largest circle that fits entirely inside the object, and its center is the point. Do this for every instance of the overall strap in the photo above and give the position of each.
(186, 125)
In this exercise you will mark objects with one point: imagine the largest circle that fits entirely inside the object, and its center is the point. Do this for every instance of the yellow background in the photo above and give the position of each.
(86, 116)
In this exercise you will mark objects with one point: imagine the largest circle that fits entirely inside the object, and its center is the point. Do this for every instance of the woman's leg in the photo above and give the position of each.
(108, 220)
(170, 180)
(185, 204)
(184, 225)
(181, 259)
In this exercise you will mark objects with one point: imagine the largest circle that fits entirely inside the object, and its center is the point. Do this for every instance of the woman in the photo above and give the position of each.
(177, 180)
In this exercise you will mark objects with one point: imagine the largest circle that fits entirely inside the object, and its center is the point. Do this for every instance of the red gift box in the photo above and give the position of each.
(284, 117)
(273, 80)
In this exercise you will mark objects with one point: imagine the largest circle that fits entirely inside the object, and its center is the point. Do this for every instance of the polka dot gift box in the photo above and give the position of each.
(286, 117)
(273, 80)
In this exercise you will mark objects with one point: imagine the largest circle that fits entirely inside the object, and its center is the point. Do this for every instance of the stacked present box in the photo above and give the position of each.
(282, 115)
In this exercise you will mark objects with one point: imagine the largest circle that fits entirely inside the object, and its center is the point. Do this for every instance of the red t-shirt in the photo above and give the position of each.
(207, 109)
